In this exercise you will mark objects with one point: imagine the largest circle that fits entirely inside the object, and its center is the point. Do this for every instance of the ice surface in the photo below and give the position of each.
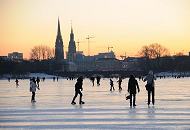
(103, 109)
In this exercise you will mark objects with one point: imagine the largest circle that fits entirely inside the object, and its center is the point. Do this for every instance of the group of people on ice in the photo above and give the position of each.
(133, 88)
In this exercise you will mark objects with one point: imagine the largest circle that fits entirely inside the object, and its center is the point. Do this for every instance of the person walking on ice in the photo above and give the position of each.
(78, 89)
(16, 81)
(132, 85)
(119, 83)
(111, 85)
(38, 82)
(98, 80)
(33, 87)
(150, 86)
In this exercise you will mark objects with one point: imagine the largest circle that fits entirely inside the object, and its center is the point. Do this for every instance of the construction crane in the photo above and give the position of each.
(78, 44)
(88, 38)
(109, 47)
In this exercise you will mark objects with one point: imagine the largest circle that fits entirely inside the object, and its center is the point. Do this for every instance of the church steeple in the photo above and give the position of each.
(71, 34)
(72, 47)
(71, 29)
(58, 29)
(59, 52)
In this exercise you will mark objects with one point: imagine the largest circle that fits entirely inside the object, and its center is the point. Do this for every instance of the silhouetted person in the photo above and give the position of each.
(16, 81)
(53, 79)
(43, 79)
(78, 89)
(57, 79)
(111, 85)
(132, 86)
(119, 83)
(150, 86)
(98, 80)
(38, 82)
(92, 80)
(33, 87)
(9, 79)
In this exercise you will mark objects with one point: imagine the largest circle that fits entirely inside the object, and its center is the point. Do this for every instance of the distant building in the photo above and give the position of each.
(100, 62)
(4, 58)
(85, 63)
(59, 52)
(108, 64)
(15, 56)
(71, 67)
(105, 55)
(79, 56)
(132, 63)
(71, 55)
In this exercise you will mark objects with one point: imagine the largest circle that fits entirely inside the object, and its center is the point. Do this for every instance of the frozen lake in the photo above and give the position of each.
(102, 109)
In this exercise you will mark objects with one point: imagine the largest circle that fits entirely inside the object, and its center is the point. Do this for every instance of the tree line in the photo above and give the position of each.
(41, 52)
(152, 51)
(156, 57)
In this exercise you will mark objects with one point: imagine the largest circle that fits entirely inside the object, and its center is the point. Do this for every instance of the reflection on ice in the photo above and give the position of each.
(151, 112)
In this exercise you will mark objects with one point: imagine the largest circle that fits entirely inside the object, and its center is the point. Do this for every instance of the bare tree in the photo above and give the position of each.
(145, 52)
(41, 52)
(49, 53)
(153, 51)
(179, 54)
(35, 53)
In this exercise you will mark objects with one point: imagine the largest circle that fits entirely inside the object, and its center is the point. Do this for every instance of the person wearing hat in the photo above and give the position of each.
(150, 86)
(78, 89)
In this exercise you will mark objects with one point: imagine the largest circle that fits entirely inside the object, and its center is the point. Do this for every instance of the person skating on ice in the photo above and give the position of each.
(78, 89)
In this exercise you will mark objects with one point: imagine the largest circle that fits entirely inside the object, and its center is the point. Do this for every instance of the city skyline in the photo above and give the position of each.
(126, 25)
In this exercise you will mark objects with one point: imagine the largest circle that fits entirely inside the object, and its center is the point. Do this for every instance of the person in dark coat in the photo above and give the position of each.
(111, 85)
(98, 80)
(119, 83)
(150, 86)
(132, 85)
(78, 89)
(53, 79)
(16, 81)
(38, 81)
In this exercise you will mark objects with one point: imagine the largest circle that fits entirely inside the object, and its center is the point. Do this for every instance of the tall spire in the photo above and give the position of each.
(71, 47)
(58, 29)
(71, 27)
(59, 51)
(71, 34)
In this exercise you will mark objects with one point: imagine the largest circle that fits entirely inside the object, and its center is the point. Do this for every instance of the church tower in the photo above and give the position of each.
(72, 47)
(59, 52)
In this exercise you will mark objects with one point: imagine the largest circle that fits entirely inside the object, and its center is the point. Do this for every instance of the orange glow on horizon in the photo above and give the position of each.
(126, 25)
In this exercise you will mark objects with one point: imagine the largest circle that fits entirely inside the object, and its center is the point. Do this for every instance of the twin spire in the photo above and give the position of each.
(59, 30)
(59, 52)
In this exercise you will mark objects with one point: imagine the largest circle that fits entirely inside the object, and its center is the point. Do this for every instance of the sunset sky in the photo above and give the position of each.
(126, 25)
